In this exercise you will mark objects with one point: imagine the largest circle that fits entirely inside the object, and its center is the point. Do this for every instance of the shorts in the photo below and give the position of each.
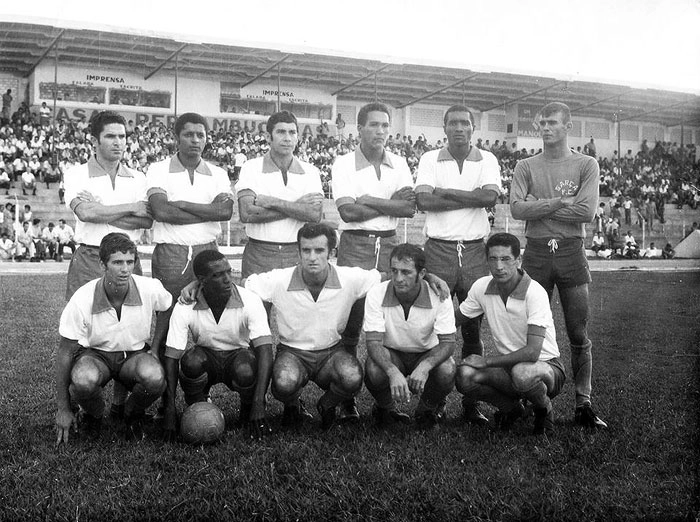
(85, 266)
(113, 360)
(409, 360)
(459, 266)
(220, 365)
(172, 265)
(312, 360)
(559, 377)
(365, 250)
(560, 263)
(261, 256)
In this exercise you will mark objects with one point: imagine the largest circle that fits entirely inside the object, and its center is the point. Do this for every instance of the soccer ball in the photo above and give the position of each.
(202, 423)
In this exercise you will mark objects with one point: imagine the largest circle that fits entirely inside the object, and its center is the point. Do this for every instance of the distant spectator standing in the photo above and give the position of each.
(7, 104)
(627, 205)
(44, 114)
(340, 126)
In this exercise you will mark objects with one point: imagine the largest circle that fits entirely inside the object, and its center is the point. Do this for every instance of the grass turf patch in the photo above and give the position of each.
(645, 332)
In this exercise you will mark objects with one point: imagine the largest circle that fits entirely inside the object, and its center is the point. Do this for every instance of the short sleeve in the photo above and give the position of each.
(262, 285)
(445, 318)
(258, 326)
(73, 324)
(405, 178)
(245, 186)
(374, 312)
(471, 307)
(156, 181)
(426, 173)
(539, 312)
(366, 280)
(341, 182)
(178, 330)
(313, 180)
(223, 183)
(491, 171)
(72, 185)
(162, 299)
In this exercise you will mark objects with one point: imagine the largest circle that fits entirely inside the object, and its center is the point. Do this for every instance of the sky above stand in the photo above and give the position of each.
(640, 43)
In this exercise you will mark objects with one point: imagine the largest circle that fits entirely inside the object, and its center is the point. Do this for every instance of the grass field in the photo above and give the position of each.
(646, 338)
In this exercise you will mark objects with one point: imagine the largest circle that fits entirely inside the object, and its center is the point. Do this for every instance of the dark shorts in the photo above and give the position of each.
(261, 256)
(409, 360)
(172, 265)
(85, 266)
(220, 365)
(565, 266)
(312, 360)
(366, 251)
(113, 360)
(559, 377)
(459, 266)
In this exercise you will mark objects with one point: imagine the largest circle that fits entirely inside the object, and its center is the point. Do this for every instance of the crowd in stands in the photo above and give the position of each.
(637, 184)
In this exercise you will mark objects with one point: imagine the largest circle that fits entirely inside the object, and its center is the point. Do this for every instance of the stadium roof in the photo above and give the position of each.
(23, 46)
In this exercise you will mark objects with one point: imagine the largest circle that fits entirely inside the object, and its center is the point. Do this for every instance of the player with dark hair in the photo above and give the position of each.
(277, 194)
(527, 365)
(372, 188)
(410, 337)
(105, 196)
(556, 193)
(189, 198)
(454, 186)
(312, 302)
(232, 344)
(104, 331)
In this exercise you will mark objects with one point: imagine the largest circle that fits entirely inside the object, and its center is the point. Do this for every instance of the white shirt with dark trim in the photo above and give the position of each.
(429, 319)
(261, 176)
(528, 304)
(129, 187)
(438, 169)
(169, 177)
(244, 320)
(302, 322)
(354, 176)
(90, 318)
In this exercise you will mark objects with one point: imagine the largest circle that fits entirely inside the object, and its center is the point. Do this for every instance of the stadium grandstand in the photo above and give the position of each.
(54, 78)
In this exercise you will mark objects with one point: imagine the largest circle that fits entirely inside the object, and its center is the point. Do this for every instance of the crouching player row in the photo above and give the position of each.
(410, 338)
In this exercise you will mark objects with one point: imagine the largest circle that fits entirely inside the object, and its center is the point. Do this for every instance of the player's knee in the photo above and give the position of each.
(192, 363)
(375, 377)
(150, 374)
(244, 372)
(524, 376)
(286, 382)
(348, 375)
(444, 374)
(466, 378)
(85, 378)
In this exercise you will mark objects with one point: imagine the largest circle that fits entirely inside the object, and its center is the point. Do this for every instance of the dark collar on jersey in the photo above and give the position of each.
(176, 166)
(296, 283)
(100, 302)
(518, 292)
(234, 301)
(422, 301)
(270, 166)
(95, 170)
(361, 162)
(474, 155)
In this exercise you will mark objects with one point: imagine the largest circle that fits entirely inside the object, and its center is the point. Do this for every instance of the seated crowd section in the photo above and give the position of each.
(648, 179)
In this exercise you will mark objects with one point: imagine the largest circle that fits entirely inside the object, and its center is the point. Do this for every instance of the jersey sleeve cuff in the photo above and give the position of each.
(174, 353)
(424, 188)
(344, 201)
(374, 336)
(260, 341)
(155, 190)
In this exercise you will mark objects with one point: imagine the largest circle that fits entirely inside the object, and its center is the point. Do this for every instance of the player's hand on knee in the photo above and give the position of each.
(65, 421)
(475, 361)
(417, 380)
(399, 388)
